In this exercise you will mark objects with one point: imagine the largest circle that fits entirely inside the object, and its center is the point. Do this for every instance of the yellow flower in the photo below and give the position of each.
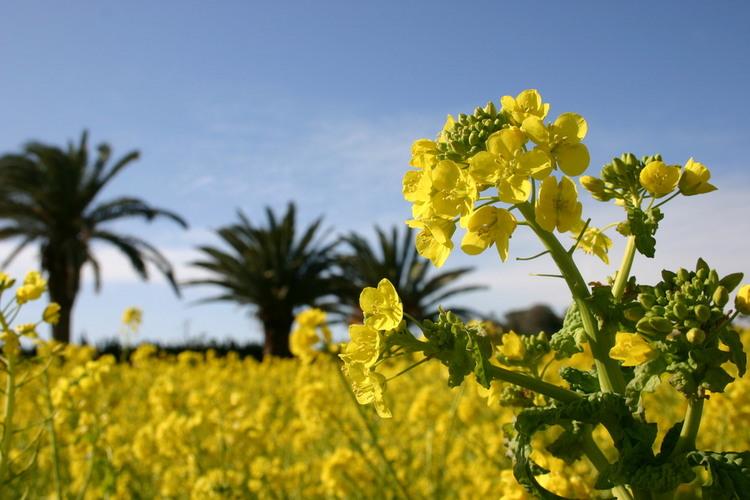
(311, 330)
(593, 241)
(450, 122)
(694, 179)
(558, 205)
(11, 344)
(33, 287)
(132, 317)
(311, 317)
(631, 349)
(368, 387)
(423, 153)
(434, 240)
(513, 347)
(507, 164)
(444, 190)
(562, 140)
(364, 347)
(381, 306)
(27, 329)
(527, 103)
(487, 226)
(659, 179)
(51, 313)
(742, 300)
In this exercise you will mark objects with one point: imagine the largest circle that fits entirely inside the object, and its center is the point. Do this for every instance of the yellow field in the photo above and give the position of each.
(204, 427)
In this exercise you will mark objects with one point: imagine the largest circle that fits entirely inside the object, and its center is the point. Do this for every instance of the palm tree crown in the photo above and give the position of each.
(271, 269)
(395, 257)
(48, 195)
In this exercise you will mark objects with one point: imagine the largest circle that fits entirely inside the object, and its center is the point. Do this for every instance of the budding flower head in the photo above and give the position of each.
(694, 179)
(742, 300)
(6, 281)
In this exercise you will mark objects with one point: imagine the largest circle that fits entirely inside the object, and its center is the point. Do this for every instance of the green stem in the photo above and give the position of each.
(600, 462)
(53, 438)
(624, 272)
(608, 372)
(550, 390)
(690, 427)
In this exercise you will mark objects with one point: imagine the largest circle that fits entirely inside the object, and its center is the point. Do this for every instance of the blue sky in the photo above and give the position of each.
(247, 104)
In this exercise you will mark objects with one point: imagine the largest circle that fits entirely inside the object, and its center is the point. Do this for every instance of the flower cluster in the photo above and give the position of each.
(311, 330)
(504, 151)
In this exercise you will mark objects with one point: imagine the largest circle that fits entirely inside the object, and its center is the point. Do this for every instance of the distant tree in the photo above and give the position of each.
(537, 318)
(271, 269)
(394, 256)
(48, 196)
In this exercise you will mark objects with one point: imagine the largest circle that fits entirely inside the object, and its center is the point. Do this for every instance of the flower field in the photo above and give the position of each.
(194, 426)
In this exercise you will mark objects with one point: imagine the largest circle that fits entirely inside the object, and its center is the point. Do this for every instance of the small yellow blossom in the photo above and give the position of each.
(51, 313)
(694, 179)
(593, 241)
(557, 205)
(742, 300)
(631, 349)
(434, 241)
(423, 153)
(364, 347)
(487, 226)
(512, 347)
(132, 317)
(381, 306)
(311, 330)
(5, 281)
(33, 287)
(527, 103)
(368, 387)
(562, 140)
(659, 179)
(27, 330)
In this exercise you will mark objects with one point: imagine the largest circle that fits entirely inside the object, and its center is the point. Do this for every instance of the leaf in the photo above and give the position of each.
(731, 339)
(730, 474)
(731, 281)
(569, 445)
(646, 378)
(570, 338)
(643, 226)
(481, 349)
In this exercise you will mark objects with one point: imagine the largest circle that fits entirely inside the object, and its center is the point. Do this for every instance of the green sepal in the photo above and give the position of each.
(731, 281)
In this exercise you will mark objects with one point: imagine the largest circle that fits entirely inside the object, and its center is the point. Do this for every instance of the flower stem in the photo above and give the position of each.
(608, 372)
(10, 403)
(53, 436)
(690, 427)
(624, 272)
(534, 384)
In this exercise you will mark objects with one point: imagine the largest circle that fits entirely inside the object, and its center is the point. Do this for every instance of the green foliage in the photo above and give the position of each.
(643, 225)
(571, 337)
(579, 380)
(730, 474)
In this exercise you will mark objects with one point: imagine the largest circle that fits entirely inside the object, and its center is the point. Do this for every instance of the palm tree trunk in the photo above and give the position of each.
(276, 341)
(63, 283)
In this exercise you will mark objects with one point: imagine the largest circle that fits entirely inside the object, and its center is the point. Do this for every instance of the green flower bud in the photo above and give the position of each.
(683, 275)
(702, 312)
(630, 159)
(713, 277)
(701, 274)
(658, 310)
(691, 323)
(667, 276)
(647, 300)
(661, 325)
(624, 228)
(696, 336)
(592, 184)
(634, 312)
(701, 264)
(721, 296)
(644, 326)
(620, 167)
(680, 310)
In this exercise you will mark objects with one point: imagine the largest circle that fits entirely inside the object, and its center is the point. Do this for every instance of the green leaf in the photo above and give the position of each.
(736, 350)
(570, 338)
(731, 281)
(646, 378)
(569, 445)
(730, 474)
(481, 349)
(643, 225)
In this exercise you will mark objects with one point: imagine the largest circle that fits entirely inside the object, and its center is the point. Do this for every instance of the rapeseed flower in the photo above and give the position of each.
(694, 179)
(51, 313)
(561, 140)
(557, 205)
(526, 104)
(659, 179)
(488, 226)
(434, 240)
(32, 288)
(742, 300)
(631, 349)
(381, 306)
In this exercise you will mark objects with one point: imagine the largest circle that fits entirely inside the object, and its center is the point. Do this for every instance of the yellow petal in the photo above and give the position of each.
(535, 129)
(537, 162)
(573, 159)
(571, 126)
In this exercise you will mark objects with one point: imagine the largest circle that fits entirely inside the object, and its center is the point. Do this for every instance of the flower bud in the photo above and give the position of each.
(696, 336)
(634, 312)
(742, 300)
(661, 325)
(592, 184)
(647, 300)
(680, 310)
(683, 275)
(721, 296)
(702, 312)
(630, 159)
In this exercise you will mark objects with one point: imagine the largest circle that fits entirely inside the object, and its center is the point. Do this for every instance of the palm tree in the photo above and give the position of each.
(395, 257)
(48, 196)
(272, 270)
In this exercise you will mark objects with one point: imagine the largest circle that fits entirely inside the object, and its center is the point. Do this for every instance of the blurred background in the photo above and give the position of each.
(243, 105)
